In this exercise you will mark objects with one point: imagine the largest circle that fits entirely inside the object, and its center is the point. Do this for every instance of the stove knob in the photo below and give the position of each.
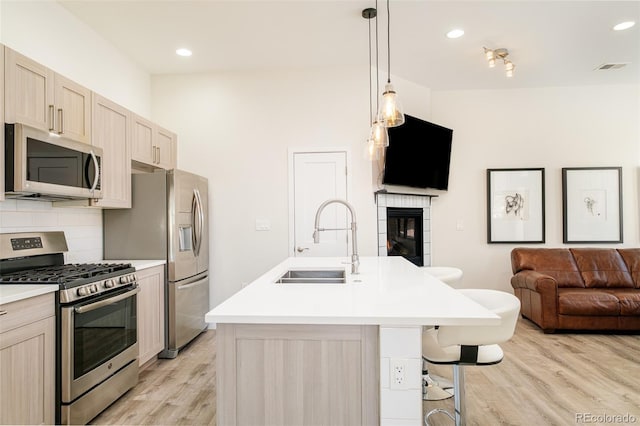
(82, 291)
(94, 288)
(123, 280)
(109, 284)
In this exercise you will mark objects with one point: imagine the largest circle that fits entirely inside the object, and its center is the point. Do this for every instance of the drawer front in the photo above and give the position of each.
(26, 311)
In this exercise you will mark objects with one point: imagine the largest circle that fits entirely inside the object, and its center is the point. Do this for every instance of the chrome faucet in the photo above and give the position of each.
(355, 259)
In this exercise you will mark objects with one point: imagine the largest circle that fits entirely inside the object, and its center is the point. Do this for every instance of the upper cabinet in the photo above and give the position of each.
(152, 145)
(112, 132)
(166, 145)
(41, 98)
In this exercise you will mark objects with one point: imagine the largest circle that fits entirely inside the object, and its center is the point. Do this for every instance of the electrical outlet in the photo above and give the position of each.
(398, 371)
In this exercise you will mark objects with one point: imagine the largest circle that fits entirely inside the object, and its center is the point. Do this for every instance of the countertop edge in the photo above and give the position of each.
(17, 292)
(139, 264)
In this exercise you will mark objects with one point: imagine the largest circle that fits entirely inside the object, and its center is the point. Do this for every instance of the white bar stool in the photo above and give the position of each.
(436, 388)
(471, 345)
(447, 274)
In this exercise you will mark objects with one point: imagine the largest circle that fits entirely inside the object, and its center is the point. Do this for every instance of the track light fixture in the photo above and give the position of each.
(493, 54)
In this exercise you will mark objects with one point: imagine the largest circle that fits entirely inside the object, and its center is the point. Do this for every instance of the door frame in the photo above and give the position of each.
(290, 179)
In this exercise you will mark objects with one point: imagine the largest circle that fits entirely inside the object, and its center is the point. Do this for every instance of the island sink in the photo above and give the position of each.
(316, 276)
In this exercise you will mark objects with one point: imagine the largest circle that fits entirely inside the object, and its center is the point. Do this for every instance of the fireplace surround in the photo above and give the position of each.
(410, 207)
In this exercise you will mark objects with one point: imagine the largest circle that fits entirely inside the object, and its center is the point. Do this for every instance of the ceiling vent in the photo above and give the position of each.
(612, 66)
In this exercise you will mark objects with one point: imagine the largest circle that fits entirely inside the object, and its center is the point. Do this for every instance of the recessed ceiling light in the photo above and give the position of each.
(455, 33)
(624, 25)
(183, 52)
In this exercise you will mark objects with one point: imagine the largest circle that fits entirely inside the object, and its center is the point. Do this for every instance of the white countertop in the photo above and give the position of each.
(388, 291)
(138, 264)
(13, 293)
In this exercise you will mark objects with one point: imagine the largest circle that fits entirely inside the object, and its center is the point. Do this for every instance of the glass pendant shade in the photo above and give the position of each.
(371, 152)
(379, 134)
(390, 108)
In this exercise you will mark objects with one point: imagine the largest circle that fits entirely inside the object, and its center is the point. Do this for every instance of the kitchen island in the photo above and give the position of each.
(318, 353)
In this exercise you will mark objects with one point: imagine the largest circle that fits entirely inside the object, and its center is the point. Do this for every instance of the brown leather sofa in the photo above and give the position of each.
(578, 288)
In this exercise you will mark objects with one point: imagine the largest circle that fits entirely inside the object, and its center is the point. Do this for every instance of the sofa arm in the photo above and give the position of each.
(538, 294)
(535, 281)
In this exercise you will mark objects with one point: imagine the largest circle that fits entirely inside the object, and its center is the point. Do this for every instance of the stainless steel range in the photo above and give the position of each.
(97, 346)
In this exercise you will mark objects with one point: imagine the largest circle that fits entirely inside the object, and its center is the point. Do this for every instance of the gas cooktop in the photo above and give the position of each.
(68, 275)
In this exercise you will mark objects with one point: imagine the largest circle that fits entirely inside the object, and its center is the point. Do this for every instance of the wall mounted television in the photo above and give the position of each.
(418, 155)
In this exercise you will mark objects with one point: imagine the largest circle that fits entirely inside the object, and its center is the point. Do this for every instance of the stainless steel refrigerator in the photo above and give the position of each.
(168, 220)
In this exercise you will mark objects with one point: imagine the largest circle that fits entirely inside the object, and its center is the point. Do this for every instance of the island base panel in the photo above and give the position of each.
(297, 374)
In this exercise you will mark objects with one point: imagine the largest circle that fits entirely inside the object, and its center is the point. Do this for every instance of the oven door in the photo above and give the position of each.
(50, 165)
(99, 337)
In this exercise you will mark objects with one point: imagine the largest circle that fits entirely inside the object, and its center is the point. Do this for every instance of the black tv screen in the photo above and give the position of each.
(418, 155)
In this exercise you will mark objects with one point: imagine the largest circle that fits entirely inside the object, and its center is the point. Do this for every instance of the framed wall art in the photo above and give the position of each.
(515, 206)
(592, 204)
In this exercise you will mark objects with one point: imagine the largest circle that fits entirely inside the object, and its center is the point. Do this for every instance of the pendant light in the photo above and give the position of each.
(378, 137)
(390, 107)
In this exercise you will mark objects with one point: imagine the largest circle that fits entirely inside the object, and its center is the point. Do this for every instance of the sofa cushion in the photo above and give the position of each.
(602, 268)
(557, 263)
(587, 302)
(632, 258)
(629, 301)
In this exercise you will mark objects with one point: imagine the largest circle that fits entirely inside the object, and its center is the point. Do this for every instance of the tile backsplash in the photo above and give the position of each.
(82, 226)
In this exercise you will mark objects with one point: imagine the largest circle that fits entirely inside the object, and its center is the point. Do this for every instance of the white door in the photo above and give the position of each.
(317, 177)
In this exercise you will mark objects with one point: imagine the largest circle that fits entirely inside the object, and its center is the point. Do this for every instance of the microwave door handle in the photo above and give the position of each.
(96, 177)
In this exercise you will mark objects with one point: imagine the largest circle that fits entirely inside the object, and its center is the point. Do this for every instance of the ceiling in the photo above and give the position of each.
(552, 43)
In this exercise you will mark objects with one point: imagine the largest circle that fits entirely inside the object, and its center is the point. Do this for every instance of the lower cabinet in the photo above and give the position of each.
(297, 374)
(27, 357)
(150, 313)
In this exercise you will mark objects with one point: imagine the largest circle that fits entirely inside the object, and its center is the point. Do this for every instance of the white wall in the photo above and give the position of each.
(48, 33)
(236, 129)
(548, 127)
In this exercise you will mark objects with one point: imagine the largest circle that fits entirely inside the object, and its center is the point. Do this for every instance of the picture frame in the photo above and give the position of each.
(515, 206)
(592, 205)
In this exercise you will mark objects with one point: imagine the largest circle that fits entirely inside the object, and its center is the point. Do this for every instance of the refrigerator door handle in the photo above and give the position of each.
(201, 220)
(194, 220)
(193, 284)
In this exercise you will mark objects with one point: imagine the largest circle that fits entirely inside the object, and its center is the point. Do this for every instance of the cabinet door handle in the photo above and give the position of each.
(52, 118)
(301, 249)
(159, 155)
(61, 121)
(3, 313)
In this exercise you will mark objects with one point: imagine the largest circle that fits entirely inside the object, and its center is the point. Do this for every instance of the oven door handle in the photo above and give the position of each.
(102, 303)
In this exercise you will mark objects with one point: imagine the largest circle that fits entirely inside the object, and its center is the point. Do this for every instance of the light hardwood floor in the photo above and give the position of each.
(545, 379)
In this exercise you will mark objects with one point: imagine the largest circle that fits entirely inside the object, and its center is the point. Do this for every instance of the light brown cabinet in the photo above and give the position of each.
(297, 374)
(152, 145)
(150, 313)
(166, 146)
(41, 98)
(27, 357)
(112, 132)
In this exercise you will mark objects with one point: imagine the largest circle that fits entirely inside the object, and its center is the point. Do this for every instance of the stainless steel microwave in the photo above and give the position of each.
(47, 166)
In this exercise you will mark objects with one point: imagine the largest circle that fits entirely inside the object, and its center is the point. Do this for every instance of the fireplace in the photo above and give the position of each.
(404, 226)
(404, 233)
